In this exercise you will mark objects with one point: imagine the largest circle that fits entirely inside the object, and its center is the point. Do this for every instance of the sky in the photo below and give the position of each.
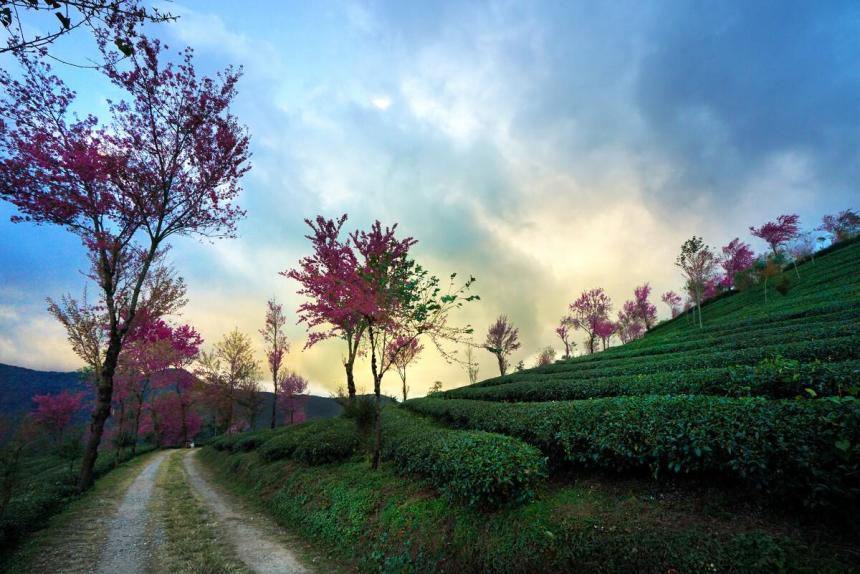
(544, 147)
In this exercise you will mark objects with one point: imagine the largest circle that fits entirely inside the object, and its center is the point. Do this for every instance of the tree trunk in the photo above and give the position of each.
(699, 305)
(796, 272)
(501, 360)
(119, 434)
(101, 412)
(404, 386)
(274, 399)
(350, 378)
(136, 425)
(183, 408)
(377, 388)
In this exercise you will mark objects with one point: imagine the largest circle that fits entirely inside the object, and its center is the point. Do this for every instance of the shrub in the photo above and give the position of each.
(810, 449)
(315, 442)
(330, 440)
(479, 468)
(250, 441)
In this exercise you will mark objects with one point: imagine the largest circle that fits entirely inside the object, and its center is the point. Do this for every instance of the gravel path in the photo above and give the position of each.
(127, 549)
(251, 536)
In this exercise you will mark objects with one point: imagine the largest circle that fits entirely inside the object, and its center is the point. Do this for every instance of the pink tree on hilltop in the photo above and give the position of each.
(779, 232)
(397, 300)
(589, 312)
(402, 352)
(563, 333)
(292, 397)
(629, 326)
(604, 329)
(842, 226)
(674, 301)
(54, 412)
(737, 257)
(327, 278)
(277, 344)
(168, 164)
(643, 310)
(502, 340)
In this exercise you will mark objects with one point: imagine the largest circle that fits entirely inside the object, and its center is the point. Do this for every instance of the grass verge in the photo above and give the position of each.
(192, 543)
(74, 537)
(381, 522)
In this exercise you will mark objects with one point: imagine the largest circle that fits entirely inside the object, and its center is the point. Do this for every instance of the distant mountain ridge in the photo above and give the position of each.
(18, 386)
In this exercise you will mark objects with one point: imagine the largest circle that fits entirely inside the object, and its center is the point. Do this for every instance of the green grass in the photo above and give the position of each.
(47, 485)
(192, 541)
(73, 536)
(381, 522)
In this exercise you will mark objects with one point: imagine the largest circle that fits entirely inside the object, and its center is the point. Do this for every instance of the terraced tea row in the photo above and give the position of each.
(776, 379)
(807, 449)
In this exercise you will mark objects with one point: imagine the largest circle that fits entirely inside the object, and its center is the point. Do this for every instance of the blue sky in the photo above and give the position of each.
(546, 148)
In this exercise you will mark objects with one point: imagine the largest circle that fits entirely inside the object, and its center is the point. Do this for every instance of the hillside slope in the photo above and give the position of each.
(731, 448)
(19, 385)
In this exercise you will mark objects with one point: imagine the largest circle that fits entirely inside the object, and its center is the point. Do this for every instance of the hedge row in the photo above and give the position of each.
(809, 449)
(839, 325)
(316, 442)
(479, 468)
(835, 349)
(772, 378)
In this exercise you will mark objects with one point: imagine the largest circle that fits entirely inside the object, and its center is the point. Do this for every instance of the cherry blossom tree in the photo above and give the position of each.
(629, 326)
(327, 278)
(604, 330)
(644, 310)
(277, 345)
(673, 300)
(401, 353)
(779, 232)
(589, 311)
(563, 331)
(398, 300)
(292, 396)
(545, 357)
(168, 164)
(842, 226)
(502, 340)
(54, 412)
(697, 263)
(737, 258)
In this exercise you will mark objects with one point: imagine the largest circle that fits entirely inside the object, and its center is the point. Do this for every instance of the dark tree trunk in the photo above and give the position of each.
(101, 412)
(119, 436)
(501, 359)
(136, 424)
(377, 385)
(350, 378)
(274, 399)
(404, 386)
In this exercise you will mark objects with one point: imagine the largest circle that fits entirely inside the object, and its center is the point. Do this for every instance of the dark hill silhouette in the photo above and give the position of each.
(18, 385)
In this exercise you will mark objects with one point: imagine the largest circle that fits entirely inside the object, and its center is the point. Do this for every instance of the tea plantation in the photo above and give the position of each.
(730, 448)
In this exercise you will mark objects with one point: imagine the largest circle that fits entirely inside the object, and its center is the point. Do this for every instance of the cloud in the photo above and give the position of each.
(546, 148)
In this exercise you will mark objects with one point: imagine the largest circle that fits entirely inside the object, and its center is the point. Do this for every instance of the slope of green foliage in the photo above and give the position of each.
(48, 484)
(381, 522)
(483, 469)
(734, 448)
